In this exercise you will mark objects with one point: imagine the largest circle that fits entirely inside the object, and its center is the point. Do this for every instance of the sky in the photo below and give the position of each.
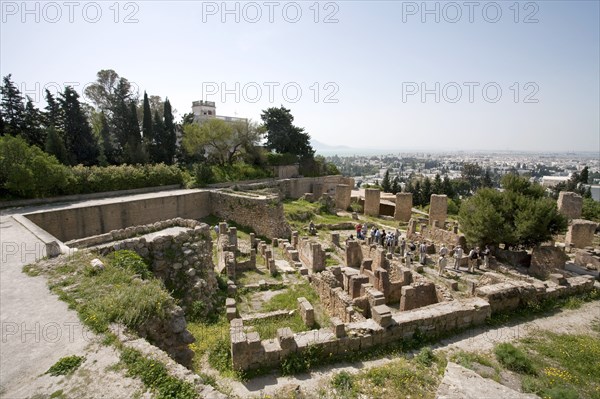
(396, 75)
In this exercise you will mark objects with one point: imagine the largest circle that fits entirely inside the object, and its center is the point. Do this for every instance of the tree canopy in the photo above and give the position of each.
(282, 136)
(519, 215)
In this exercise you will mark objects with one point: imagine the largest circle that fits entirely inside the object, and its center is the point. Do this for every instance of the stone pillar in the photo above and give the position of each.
(570, 204)
(438, 208)
(581, 233)
(272, 267)
(223, 228)
(404, 202)
(372, 200)
(335, 239)
(412, 227)
(342, 196)
(233, 237)
(295, 239)
(353, 254)
(252, 240)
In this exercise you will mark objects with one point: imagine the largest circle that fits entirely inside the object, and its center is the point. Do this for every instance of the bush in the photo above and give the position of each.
(203, 174)
(426, 357)
(281, 159)
(26, 171)
(591, 210)
(131, 261)
(66, 365)
(514, 359)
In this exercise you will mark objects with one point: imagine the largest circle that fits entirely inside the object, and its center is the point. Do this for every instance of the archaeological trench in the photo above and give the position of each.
(371, 297)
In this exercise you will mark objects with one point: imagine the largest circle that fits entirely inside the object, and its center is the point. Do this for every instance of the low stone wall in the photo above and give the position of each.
(418, 295)
(311, 255)
(183, 261)
(581, 233)
(333, 298)
(506, 296)
(437, 235)
(264, 215)
(249, 352)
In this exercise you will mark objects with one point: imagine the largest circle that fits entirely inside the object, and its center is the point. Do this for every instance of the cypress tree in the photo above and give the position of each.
(32, 125)
(79, 140)
(11, 107)
(170, 138)
(147, 129)
(54, 145)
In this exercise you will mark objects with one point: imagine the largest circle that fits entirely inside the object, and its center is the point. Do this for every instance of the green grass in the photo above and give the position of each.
(514, 358)
(400, 378)
(66, 365)
(155, 376)
(299, 213)
(567, 365)
(288, 299)
(114, 294)
(267, 329)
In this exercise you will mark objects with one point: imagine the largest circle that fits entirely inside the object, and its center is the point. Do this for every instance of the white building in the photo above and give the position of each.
(204, 110)
(551, 181)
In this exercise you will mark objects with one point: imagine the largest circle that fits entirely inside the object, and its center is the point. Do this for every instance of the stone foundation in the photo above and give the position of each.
(581, 233)
(438, 209)
(372, 200)
(570, 204)
(342, 196)
(403, 211)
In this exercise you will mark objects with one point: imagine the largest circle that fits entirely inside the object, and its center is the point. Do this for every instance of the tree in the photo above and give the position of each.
(486, 180)
(396, 186)
(169, 142)
(437, 187)
(101, 92)
(447, 187)
(282, 136)
(583, 177)
(53, 115)
(55, 145)
(78, 137)
(471, 173)
(11, 107)
(520, 215)
(133, 150)
(147, 131)
(426, 191)
(221, 141)
(32, 130)
(386, 184)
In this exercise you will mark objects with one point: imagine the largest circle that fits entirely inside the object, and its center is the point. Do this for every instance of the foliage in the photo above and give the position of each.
(131, 261)
(11, 107)
(66, 365)
(282, 136)
(203, 174)
(267, 328)
(276, 159)
(514, 358)
(425, 357)
(110, 295)
(591, 210)
(520, 215)
(386, 184)
(297, 362)
(155, 376)
(288, 299)
(26, 171)
(79, 141)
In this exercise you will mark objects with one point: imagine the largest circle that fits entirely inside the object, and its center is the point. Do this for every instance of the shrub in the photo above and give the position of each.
(131, 261)
(66, 365)
(343, 382)
(203, 174)
(281, 159)
(514, 359)
(426, 357)
(26, 171)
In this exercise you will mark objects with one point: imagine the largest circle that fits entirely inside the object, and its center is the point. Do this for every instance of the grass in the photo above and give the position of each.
(514, 359)
(299, 213)
(267, 329)
(66, 365)
(401, 378)
(155, 376)
(209, 337)
(115, 294)
(288, 299)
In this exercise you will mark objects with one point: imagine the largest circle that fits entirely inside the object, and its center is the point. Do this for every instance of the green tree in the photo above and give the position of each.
(147, 131)
(32, 130)
(591, 210)
(486, 180)
(55, 145)
(386, 184)
(471, 173)
(396, 185)
(169, 142)
(134, 151)
(282, 136)
(53, 115)
(79, 141)
(583, 177)
(519, 215)
(426, 191)
(437, 186)
(447, 187)
(11, 107)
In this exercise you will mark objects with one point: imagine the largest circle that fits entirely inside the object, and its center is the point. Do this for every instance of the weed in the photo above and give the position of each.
(343, 382)
(155, 376)
(514, 358)
(66, 365)
(426, 357)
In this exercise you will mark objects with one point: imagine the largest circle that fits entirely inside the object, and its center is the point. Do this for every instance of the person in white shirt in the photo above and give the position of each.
(458, 253)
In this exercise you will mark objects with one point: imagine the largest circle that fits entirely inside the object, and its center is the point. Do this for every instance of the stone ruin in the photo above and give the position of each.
(570, 204)
(580, 233)
(403, 210)
(372, 201)
(343, 196)
(438, 210)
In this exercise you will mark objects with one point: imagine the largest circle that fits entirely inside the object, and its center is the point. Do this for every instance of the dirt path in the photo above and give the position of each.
(575, 321)
(38, 329)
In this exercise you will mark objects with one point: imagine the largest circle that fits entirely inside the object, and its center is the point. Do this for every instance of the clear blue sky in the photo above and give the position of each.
(376, 56)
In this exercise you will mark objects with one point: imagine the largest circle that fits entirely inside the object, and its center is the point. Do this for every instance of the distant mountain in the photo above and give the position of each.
(318, 146)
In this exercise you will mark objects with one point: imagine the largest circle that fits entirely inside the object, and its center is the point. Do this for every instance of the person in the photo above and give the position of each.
(364, 231)
(458, 253)
(217, 229)
(486, 257)
(442, 262)
(373, 235)
(402, 246)
(472, 260)
(311, 228)
(408, 258)
(377, 236)
(358, 231)
(390, 243)
(412, 246)
(350, 238)
(422, 253)
(443, 250)
(383, 238)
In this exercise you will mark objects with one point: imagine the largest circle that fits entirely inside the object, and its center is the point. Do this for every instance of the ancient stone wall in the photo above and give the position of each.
(581, 233)
(438, 236)
(263, 215)
(333, 298)
(506, 296)
(545, 260)
(342, 196)
(417, 295)
(403, 211)
(311, 255)
(296, 188)
(372, 199)
(438, 209)
(570, 204)
(249, 352)
(83, 220)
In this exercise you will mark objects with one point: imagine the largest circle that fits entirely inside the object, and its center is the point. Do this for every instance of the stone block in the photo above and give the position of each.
(372, 201)
(570, 204)
(545, 259)
(342, 196)
(339, 328)
(231, 313)
(403, 211)
(558, 279)
(581, 233)
(382, 315)
(438, 208)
